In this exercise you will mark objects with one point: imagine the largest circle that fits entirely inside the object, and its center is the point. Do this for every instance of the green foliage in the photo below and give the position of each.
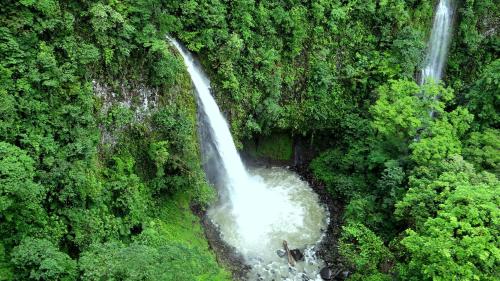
(177, 223)
(441, 140)
(482, 149)
(118, 117)
(342, 173)
(5, 266)
(82, 162)
(128, 194)
(429, 189)
(276, 147)
(363, 210)
(170, 261)
(170, 247)
(461, 242)
(374, 207)
(89, 177)
(475, 45)
(364, 251)
(301, 65)
(399, 111)
(159, 154)
(484, 97)
(21, 212)
(403, 110)
(390, 184)
(165, 67)
(91, 225)
(39, 259)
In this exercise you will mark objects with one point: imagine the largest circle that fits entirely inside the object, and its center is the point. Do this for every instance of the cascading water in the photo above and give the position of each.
(439, 42)
(260, 209)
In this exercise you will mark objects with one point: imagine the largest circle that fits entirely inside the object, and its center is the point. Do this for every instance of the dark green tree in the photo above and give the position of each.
(41, 260)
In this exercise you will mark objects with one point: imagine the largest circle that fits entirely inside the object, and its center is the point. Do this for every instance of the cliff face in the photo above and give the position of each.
(122, 108)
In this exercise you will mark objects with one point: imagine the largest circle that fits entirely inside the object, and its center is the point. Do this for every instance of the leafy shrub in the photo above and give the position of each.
(39, 259)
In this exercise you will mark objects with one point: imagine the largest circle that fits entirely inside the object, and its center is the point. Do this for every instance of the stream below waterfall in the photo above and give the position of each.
(280, 207)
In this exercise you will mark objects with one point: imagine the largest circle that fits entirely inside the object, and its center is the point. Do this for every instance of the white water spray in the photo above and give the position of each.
(222, 136)
(439, 42)
(265, 207)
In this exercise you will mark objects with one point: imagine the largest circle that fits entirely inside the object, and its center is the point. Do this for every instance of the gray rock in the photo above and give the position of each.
(297, 254)
(281, 253)
(326, 273)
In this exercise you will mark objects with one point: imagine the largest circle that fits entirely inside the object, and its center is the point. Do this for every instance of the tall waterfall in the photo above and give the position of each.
(259, 208)
(439, 42)
(222, 138)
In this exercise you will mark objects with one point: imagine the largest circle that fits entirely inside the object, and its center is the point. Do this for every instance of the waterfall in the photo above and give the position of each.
(260, 208)
(438, 43)
(224, 143)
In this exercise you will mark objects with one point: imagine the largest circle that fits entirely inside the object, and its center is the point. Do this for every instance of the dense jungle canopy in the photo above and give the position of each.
(99, 156)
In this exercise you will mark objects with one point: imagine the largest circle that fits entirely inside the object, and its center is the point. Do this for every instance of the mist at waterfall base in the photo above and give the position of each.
(260, 208)
(439, 42)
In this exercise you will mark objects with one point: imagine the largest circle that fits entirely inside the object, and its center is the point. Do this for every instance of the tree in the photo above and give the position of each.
(158, 152)
(484, 98)
(441, 139)
(341, 172)
(482, 149)
(39, 259)
(461, 242)
(21, 212)
(403, 113)
(5, 265)
(365, 252)
(429, 187)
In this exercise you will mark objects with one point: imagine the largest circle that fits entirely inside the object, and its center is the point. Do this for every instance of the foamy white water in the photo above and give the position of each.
(262, 208)
(282, 208)
(439, 42)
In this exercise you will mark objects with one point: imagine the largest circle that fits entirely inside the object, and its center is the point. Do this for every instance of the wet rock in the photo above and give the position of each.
(297, 254)
(345, 274)
(281, 253)
(326, 273)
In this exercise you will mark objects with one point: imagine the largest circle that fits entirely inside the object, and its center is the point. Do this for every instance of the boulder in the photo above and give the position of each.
(326, 273)
(297, 254)
(281, 253)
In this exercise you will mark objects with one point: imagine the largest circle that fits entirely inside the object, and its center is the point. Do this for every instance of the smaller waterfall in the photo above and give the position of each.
(439, 42)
